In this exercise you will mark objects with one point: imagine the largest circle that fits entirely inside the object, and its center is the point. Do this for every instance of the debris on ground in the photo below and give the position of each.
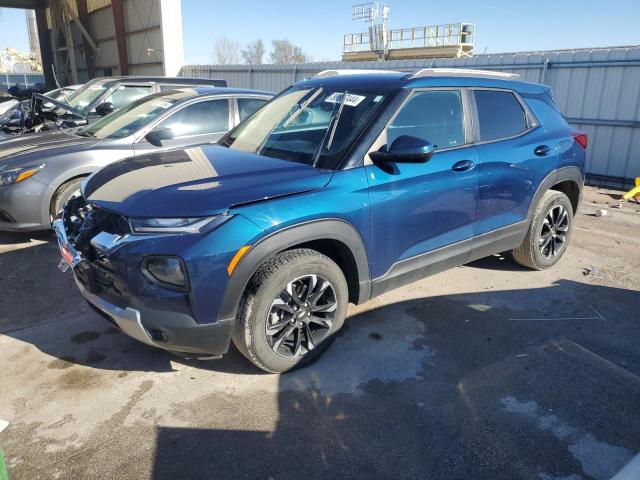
(616, 205)
(591, 271)
(601, 212)
(3, 424)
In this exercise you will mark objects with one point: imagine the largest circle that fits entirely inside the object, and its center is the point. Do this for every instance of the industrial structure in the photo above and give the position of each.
(452, 40)
(82, 39)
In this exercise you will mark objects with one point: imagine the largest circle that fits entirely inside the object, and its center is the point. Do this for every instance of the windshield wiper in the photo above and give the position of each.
(333, 122)
(337, 119)
(302, 107)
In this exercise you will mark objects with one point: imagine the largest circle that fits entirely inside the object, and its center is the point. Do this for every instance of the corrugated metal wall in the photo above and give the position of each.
(597, 89)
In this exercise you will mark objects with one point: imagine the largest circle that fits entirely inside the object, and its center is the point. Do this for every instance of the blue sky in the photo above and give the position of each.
(318, 26)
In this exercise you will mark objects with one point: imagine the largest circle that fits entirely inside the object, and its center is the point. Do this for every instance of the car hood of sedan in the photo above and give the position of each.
(35, 149)
(197, 181)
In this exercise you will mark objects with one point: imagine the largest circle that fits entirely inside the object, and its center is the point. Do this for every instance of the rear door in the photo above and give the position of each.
(418, 208)
(514, 155)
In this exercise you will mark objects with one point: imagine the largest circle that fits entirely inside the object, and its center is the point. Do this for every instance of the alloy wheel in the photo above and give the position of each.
(553, 235)
(301, 316)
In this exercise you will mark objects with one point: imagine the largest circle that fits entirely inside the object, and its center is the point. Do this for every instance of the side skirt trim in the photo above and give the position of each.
(415, 268)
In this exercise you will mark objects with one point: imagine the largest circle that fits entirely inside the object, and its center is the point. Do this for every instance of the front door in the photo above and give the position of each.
(195, 124)
(420, 208)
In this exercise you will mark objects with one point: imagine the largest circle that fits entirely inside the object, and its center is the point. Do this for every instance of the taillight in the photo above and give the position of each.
(581, 138)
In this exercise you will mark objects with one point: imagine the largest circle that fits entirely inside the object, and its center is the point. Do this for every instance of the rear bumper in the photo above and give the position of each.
(175, 332)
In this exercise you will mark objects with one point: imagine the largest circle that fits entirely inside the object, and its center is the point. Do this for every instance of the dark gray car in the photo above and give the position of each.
(40, 172)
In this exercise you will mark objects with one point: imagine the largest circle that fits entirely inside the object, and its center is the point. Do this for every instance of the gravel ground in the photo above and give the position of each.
(487, 371)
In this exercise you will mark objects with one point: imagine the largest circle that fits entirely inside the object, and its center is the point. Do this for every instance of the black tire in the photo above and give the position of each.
(62, 195)
(269, 282)
(532, 253)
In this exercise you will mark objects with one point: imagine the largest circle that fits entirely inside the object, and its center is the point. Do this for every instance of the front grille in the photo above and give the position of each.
(84, 221)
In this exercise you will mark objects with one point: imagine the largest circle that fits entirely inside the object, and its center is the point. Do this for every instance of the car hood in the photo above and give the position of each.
(36, 148)
(197, 181)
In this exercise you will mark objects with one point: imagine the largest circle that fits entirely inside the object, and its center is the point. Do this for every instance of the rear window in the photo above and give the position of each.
(500, 114)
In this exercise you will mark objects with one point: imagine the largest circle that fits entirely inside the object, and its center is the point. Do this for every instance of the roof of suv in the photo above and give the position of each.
(431, 77)
(221, 91)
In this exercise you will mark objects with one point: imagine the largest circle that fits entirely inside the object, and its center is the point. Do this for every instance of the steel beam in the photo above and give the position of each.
(117, 7)
(26, 4)
(46, 49)
(83, 16)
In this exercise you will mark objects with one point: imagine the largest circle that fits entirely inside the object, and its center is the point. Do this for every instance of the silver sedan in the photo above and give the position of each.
(40, 172)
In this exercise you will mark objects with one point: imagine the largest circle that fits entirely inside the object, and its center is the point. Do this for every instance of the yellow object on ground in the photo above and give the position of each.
(634, 192)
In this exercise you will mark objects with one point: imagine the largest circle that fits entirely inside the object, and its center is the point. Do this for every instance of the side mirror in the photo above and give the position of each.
(155, 137)
(104, 109)
(405, 149)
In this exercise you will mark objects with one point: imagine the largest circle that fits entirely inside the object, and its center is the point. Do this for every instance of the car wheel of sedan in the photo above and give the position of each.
(62, 196)
(548, 234)
(291, 311)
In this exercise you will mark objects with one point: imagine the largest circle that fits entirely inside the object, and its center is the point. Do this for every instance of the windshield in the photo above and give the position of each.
(132, 117)
(315, 126)
(81, 99)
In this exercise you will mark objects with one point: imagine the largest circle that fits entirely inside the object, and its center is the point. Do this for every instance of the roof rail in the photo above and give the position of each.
(333, 73)
(462, 72)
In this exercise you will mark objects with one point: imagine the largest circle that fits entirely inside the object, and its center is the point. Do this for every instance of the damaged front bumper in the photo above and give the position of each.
(148, 317)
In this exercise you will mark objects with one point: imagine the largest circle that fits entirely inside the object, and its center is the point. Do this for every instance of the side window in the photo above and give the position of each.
(500, 114)
(248, 106)
(126, 94)
(201, 118)
(434, 115)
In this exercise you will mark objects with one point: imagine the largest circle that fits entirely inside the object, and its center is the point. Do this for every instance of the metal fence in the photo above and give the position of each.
(25, 79)
(597, 89)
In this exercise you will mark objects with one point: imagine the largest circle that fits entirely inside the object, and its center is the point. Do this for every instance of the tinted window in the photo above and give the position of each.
(248, 106)
(500, 114)
(435, 116)
(200, 118)
(126, 94)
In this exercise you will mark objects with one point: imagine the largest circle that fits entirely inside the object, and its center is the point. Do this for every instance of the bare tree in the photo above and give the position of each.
(254, 53)
(226, 51)
(284, 53)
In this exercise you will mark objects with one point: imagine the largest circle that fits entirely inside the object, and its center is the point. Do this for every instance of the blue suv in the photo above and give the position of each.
(339, 189)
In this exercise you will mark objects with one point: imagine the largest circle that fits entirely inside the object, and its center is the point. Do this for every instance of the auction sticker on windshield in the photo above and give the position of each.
(351, 100)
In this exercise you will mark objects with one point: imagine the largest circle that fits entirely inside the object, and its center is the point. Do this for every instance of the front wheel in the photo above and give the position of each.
(291, 310)
(62, 196)
(549, 232)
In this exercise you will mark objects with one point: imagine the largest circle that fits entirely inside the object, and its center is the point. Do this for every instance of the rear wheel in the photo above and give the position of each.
(292, 308)
(549, 232)
(62, 196)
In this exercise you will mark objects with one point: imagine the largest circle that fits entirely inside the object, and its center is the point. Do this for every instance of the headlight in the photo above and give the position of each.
(16, 175)
(176, 225)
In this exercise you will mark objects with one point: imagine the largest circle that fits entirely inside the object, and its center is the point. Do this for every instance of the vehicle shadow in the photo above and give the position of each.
(451, 386)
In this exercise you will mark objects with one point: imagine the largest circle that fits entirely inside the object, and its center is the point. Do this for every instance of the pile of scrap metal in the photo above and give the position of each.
(39, 113)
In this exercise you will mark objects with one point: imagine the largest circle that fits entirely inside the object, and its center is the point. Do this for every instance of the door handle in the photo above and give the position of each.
(463, 166)
(542, 150)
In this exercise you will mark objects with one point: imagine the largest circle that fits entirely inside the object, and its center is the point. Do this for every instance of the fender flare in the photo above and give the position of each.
(570, 173)
(324, 229)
